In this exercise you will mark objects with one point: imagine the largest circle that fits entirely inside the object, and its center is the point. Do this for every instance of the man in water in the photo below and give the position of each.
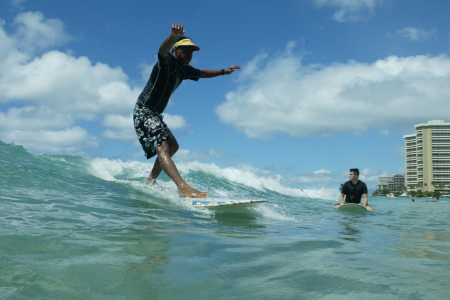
(353, 190)
(168, 73)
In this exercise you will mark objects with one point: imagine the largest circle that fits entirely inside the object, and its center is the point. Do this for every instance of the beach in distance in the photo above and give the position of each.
(78, 228)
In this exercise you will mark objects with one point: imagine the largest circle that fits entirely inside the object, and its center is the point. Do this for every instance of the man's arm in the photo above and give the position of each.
(366, 200)
(366, 203)
(177, 31)
(341, 199)
(215, 73)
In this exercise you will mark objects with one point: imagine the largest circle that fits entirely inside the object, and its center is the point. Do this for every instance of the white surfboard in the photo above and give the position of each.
(218, 202)
(352, 207)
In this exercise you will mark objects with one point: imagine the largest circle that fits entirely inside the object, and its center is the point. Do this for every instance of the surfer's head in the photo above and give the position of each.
(355, 171)
(183, 49)
(353, 176)
(184, 41)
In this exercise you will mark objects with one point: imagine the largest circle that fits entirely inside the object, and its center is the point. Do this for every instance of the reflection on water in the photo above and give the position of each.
(350, 227)
(429, 245)
(242, 220)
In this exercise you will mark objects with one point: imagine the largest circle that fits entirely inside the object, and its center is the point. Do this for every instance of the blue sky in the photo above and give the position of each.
(326, 85)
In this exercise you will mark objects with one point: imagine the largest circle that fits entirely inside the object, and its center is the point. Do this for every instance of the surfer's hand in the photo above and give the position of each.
(231, 69)
(178, 30)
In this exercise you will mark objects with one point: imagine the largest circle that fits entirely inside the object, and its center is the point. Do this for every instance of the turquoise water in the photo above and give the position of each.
(78, 228)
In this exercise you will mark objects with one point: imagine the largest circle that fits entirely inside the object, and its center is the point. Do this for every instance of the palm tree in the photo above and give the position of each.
(433, 184)
(418, 186)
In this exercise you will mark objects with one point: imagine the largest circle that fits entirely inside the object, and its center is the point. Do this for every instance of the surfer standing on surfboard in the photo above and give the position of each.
(353, 190)
(168, 73)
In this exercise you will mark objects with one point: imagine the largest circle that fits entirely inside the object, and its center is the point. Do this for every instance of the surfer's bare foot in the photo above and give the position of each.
(188, 191)
(150, 179)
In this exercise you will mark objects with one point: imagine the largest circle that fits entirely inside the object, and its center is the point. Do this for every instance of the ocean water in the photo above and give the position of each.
(79, 228)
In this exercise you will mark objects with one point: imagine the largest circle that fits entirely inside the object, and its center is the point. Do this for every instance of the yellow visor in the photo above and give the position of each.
(186, 42)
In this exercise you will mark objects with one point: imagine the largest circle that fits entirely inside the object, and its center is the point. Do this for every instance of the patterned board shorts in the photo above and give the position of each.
(150, 129)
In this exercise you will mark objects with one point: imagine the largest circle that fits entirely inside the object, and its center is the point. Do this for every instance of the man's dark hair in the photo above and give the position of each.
(355, 171)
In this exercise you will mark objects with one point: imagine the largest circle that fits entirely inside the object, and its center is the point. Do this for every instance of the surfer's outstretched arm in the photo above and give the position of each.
(215, 73)
(177, 31)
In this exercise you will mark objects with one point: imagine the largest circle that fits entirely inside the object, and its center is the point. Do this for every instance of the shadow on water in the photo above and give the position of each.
(242, 224)
(350, 227)
(241, 219)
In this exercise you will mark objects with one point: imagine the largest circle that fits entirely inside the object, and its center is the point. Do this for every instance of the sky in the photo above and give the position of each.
(325, 85)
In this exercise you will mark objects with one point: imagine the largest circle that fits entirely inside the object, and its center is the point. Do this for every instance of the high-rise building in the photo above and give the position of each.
(383, 182)
(391, 182)
(427, 157)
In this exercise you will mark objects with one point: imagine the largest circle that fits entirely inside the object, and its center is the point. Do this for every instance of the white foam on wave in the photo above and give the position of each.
(255, 178)
(134, 173)
(275, 212)
(322, 193)
(118, 170)
(259, 179)
(106, 169)
(109, 169)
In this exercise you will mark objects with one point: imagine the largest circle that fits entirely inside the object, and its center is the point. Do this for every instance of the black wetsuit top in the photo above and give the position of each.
(354, 192)
(166, 76)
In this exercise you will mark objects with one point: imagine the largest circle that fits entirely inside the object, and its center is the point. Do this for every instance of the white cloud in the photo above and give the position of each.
(351, 10)
(146, 68)
(323, 180)
(70, 140)
(322, 177)
(284, 96)
(252, 65)
(175, 121)
(417, 34)
(33, 118)
(321, 172)
(370, 176)
(189, 155)
(67, 83)
(45, 95)
(17, 4)
(326, 178)
(119, 128)
(33, 32)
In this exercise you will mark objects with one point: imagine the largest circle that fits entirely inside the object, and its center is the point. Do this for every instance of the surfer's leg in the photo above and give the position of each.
(156, 170)
(154, 173)
(166, 163)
